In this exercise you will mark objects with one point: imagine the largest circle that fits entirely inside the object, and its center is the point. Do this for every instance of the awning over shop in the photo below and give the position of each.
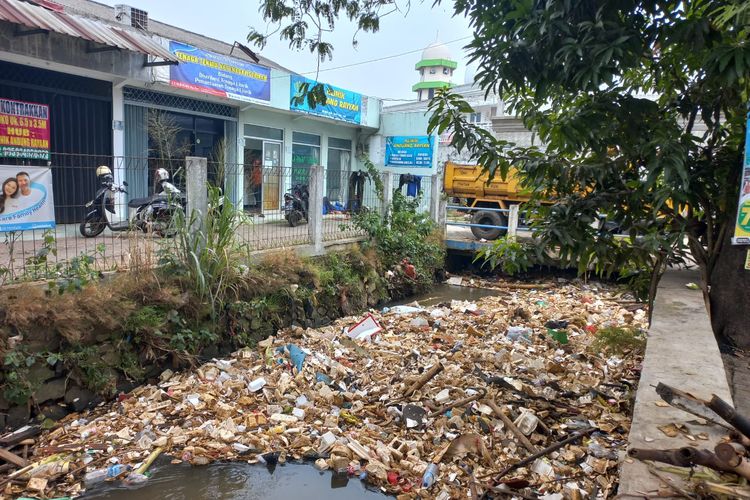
(41, 20)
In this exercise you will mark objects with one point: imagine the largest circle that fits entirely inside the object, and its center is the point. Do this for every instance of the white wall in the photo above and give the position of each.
(410, 123)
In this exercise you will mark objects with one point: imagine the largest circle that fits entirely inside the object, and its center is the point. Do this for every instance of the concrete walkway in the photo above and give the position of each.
(682, 353)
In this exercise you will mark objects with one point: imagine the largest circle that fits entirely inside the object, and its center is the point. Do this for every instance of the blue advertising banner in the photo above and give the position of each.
(409, 151)
(219, 75)
(340, 104)
(26, 198)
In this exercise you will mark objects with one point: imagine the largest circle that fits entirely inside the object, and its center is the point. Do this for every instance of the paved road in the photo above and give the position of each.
(681, 352)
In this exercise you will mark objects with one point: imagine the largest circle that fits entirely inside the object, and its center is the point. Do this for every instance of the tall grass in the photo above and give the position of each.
(207, 252)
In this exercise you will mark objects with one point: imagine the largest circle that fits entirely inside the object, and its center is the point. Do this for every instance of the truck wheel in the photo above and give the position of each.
(489, 219)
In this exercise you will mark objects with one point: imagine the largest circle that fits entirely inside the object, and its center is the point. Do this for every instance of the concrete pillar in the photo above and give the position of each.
(196, 169)
(315, 215)
(442, 215)
(513, 222)
(436, 194)
(119, 163)
(324, 161)
(387, 192)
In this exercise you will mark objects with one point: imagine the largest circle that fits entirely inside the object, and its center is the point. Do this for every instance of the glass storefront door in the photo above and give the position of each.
(271, 175)
(339, 166)
(253, 175)
(262, 164)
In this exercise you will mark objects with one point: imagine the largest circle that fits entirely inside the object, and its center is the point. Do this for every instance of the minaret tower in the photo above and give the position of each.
(435, 71)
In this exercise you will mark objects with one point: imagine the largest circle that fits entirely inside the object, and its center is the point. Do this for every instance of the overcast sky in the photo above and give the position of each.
(229, 20)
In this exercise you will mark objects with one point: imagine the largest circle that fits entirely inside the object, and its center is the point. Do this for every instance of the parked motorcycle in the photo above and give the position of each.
(296, 204)
(155, 213)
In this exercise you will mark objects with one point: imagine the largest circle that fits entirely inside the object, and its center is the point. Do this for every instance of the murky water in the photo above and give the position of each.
(446, 293)
(240, 480)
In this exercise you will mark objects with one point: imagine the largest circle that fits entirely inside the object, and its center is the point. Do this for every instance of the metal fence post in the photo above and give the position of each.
(513, 222)
(442, 215)
(315, 224)
(387, 192)
(435, 197)
(197, 194)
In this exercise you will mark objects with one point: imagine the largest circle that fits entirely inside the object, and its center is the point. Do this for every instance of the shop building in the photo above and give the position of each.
(113, 77)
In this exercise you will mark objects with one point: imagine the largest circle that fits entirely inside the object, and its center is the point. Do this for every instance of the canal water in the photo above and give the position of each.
(238, 481)
(243, 481)
(445, 293)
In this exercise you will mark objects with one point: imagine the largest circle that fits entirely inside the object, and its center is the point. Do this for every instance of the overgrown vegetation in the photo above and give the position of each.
(404, 236)
(510, 256)
(209, 295)
(206, 251)
(62, 277)
(619, 340)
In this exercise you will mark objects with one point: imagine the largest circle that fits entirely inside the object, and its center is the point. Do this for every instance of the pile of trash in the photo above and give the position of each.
(502, 395)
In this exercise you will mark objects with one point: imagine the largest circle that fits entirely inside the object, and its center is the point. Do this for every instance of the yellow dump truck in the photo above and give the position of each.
(470, 183)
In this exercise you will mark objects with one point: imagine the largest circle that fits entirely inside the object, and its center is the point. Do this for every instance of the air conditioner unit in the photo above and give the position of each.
(131, 16)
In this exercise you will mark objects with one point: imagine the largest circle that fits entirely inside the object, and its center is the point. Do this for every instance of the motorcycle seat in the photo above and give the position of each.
(137, 202)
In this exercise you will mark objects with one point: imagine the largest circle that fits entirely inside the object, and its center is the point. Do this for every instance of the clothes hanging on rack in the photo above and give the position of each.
(412, 182)
(356, 190)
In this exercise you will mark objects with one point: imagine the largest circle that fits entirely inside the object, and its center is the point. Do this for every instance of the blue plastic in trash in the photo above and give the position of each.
(430, 475)
(297, 355)
(322, 377)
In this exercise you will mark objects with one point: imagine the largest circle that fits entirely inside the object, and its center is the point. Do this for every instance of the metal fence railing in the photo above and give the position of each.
(347, 195)
(74, 246)
(418, 186)
(257, 192)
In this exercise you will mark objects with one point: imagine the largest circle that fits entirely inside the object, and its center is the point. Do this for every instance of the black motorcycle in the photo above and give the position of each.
(296, 204)
(155, 213)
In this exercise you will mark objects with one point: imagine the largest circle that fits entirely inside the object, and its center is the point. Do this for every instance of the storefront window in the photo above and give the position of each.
(305, 153)
(172, 136)
(339, 165)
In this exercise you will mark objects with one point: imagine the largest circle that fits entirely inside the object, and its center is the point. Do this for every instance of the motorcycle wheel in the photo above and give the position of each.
(92, 227)
(293, 218)
(164, 225)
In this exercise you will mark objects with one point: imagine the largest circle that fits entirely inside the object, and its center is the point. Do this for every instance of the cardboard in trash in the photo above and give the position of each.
(345, 402)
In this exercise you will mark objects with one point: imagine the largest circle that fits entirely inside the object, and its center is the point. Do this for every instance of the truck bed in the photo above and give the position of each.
(468, 181)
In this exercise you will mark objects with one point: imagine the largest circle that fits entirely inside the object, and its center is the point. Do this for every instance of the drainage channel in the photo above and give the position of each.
(240, 480)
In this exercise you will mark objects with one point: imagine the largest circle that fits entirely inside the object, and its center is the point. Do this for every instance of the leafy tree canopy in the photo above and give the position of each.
(640, 107)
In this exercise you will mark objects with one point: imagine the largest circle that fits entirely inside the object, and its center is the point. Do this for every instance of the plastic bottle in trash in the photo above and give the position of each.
(430, 476)
(99, 475)
(117, 469)
(95, 476)
(516, 333)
